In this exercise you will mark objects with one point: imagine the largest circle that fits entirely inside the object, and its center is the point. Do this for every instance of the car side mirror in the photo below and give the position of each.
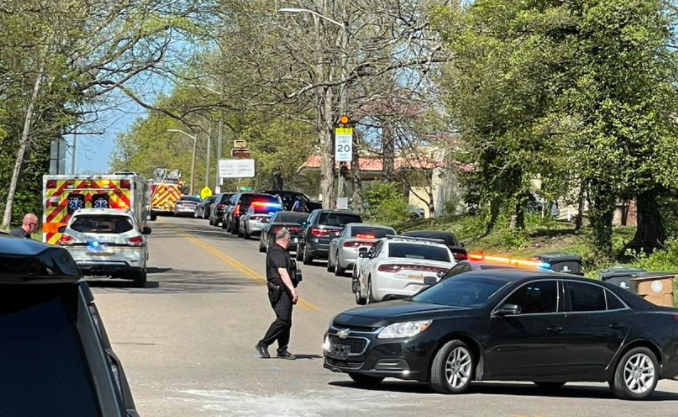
(363, 255)
(441, 274)
(508, 310)
(146, 231)
(62, 229)
(430, 280)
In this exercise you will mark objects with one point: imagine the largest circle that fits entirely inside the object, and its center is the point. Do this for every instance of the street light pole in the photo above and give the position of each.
(195, 148)
(220, 139)
(209, 153)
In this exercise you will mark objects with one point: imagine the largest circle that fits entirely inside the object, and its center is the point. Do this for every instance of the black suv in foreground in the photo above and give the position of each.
(318, 231)
(55, 356)
(511, 325)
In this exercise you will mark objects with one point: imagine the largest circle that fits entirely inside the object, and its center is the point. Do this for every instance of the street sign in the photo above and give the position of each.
(343, 144)
(205, 192)
(240, 143)
(240, 153)
(236, 168)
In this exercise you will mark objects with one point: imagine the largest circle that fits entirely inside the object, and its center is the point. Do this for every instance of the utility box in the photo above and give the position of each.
(563, 262)
(655, 288)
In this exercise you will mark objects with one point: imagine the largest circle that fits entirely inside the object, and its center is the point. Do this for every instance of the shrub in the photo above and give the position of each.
(385, 204)
(665, 260)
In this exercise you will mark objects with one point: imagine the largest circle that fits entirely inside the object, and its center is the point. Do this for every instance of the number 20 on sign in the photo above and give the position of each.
(343, 144)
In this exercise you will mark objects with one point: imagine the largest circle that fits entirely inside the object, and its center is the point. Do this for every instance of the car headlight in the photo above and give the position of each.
(404, 330)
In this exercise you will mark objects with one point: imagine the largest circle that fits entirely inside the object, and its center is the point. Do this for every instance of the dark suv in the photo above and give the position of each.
(239, 204)
(55, 356)
(218, 208)
(322, 226)
(289, 198)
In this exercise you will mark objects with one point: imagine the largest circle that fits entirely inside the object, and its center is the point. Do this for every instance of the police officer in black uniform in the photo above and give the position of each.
(282, 295)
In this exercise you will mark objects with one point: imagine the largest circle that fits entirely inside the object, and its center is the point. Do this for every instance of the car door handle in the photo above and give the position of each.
(617, 326)
(554, 329)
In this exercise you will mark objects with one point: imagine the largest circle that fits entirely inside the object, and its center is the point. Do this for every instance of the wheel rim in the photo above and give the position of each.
(369, 292)
(458, 367)
(639, 373)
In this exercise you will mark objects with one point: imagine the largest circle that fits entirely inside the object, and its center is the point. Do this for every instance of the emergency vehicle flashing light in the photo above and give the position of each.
(509, 261)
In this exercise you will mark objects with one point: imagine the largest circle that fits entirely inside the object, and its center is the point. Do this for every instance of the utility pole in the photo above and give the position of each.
(220, 140)
(195, 149)
(209, 153)
(75, 144)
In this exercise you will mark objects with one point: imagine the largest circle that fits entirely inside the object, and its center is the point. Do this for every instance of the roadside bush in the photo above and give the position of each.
(385, 204)
(665, 260)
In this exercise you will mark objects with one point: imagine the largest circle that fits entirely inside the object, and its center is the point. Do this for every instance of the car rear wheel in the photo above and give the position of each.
(370, 294)
(154, 216)
(359, 299)
(548, 385)
(235, 229)
(365, 379)
(338, 270)
(636, 375)
(262, 248)
(140, 279)
(300, 254)
(452, 368)
(308, 259)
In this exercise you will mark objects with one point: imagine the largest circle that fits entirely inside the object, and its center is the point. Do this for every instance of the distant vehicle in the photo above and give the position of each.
(107, 242)
(55, 355)
(457, 248)
(322, 226)
(396, 266)
(258, 215)
(218, 209)
(345, 248)
(186, 205)
(240, 202)
(203, 209)
(289, 198)
(290, 220)
(510, 325)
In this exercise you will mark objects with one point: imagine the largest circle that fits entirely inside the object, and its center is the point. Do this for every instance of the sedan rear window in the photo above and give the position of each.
(190, 198)
(411, 251)
(102, 224)
(291, 217)
(371, 232)
(338, 219)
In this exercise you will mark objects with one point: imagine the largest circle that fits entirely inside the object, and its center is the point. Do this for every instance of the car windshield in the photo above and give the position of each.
(190, 198)
(41, 356)
(461, 291)
(449, 238)
(291, 217)
(418, 251)
(102, 224)
(338, 219)
(366, 232)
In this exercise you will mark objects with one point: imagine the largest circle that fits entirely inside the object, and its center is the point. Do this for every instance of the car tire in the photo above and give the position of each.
(640, 366)
(359, 299)
(365, 379)
(338, 270)
(308, 259)
(262, 248)
(452, 368)
(370, 294)
(300, 254)
(154, 216)
(210, 221)
(330, 267)
(140, 279)
(235, 230)
(549, 385)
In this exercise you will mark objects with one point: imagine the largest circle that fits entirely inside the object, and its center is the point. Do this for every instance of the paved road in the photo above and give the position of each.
(187, 344)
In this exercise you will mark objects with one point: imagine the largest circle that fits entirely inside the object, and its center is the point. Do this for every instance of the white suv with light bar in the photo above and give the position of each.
(107, 242)
(396, 266)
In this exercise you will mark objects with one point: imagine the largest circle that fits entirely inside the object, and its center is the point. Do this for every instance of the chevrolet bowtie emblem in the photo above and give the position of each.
(343, 333)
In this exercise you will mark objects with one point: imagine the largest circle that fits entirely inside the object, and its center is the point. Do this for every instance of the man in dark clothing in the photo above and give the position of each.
(281, 294)
(28, 227)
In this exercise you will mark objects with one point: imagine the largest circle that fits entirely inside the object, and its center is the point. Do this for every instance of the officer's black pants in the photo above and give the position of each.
(280, 328)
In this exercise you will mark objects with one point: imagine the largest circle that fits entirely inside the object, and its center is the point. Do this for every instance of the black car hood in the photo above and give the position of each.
(381, 314)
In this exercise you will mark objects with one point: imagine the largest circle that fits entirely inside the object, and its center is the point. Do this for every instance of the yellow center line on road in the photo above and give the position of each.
(249, 273)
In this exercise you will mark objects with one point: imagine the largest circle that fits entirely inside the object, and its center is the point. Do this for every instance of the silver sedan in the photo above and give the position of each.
(345, 247)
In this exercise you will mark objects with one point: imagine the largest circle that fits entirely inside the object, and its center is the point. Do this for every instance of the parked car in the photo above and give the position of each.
(203, 209)
(107, 242)
(396, 268)
(290, 220)
(508, 325)
(55, 355)
(186, 205)
(218, 209)
(322, 226)
(457, 248)
(289, 198)
(258, 215)
(345, 248)
(239, 205)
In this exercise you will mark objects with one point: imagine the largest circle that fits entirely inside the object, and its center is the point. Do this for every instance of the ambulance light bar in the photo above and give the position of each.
(509, 261)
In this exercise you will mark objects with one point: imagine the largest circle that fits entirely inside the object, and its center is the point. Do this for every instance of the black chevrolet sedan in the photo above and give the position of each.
(512, 325)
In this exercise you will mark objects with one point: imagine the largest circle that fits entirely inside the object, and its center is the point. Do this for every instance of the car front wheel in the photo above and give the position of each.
(452, 368)
(636, 375)
(140, 279)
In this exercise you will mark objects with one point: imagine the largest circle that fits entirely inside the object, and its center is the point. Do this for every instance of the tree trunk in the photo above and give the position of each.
(601, 213)
(579, 220)
(326, 149)
(520, 215)
(23, 144)
(277, 181)
(494, 214)
(650, 234)
(388, 144)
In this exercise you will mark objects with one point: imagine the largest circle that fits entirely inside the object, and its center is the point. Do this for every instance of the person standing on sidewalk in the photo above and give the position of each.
(282, 295)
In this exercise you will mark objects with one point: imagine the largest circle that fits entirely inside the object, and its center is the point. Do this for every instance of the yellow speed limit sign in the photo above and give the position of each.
(205, 192)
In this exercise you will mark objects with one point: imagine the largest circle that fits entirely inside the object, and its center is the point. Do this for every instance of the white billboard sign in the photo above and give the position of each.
(236, 168)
